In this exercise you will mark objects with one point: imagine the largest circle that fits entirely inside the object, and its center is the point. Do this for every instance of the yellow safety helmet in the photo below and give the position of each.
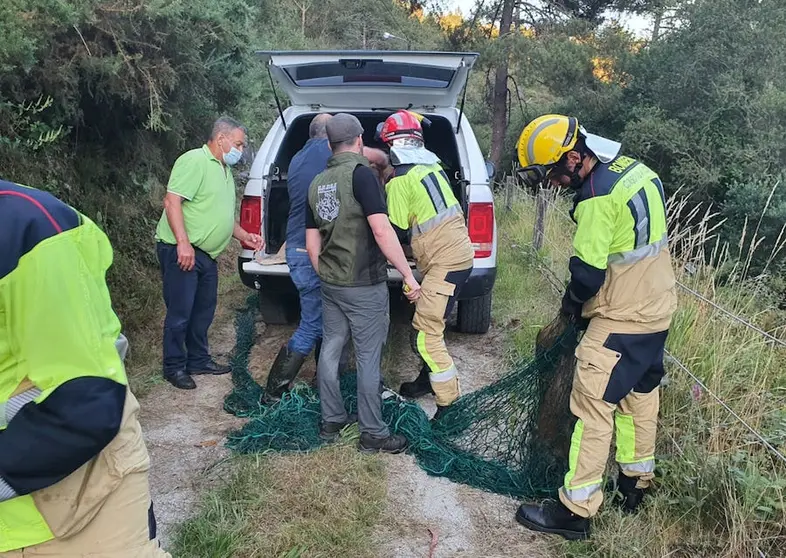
(546, 139)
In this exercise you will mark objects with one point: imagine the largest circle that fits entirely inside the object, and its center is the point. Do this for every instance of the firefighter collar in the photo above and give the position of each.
(412, 156)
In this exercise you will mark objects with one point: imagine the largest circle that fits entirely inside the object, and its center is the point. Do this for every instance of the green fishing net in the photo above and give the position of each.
(511, 437)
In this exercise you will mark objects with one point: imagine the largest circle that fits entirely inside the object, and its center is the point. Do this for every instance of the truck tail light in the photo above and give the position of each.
(481, 228)
(251, 216)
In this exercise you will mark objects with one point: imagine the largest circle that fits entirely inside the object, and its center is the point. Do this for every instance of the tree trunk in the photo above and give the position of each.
(499, 107)
(658, 19)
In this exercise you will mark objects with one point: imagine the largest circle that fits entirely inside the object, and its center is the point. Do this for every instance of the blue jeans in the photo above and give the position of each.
(190, 298)
(309, 330)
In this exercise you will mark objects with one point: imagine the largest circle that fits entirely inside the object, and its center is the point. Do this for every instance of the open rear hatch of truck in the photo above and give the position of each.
(357, 80)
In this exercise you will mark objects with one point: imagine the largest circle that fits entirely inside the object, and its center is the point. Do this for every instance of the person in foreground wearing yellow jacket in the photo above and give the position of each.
(422, 204)
(73, 464)
(622, 290)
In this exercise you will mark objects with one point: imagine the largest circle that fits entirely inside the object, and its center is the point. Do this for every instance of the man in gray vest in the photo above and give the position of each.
(349, 240)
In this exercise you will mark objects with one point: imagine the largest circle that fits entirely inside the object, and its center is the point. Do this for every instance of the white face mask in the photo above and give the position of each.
(232, 156)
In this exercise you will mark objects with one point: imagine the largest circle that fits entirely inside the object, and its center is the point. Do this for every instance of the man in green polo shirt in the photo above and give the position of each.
(197, 224)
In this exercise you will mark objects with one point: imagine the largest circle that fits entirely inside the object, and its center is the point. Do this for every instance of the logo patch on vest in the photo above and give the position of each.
(327, 202)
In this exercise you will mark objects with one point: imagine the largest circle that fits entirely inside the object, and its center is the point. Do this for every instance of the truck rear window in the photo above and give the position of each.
(356, 72)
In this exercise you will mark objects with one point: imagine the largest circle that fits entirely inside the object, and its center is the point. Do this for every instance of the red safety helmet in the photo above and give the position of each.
(401, 125)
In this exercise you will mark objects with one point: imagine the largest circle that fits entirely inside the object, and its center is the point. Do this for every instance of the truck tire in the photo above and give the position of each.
(278, 308)
(474, 315)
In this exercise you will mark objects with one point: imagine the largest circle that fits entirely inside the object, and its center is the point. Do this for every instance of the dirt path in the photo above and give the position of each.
(186, 430)
(185, 433)
(466, 522)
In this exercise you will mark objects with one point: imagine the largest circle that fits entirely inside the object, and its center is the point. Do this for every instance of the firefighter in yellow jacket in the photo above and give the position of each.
(622, 290)
(73, 464)
(422, 204)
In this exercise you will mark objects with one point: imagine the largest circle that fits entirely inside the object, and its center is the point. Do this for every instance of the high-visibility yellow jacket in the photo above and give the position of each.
(420, 200)
(621, 269)
(68, 427)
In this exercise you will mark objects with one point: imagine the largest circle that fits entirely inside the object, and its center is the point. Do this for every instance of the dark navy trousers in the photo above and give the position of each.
(190, 298)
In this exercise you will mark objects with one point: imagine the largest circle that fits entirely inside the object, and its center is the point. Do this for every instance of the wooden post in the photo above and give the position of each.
(541, 206)
(509, 185)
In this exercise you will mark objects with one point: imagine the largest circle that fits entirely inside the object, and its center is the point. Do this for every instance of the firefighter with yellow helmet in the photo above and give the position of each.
(421, 203)
(622, 290)
(73, 463)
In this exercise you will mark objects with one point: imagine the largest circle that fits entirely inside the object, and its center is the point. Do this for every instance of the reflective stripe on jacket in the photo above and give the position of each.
(420, 199)
(62, 381)
(621, 269)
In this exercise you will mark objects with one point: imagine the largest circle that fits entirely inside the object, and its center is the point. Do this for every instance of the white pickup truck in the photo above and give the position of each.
(371, 85)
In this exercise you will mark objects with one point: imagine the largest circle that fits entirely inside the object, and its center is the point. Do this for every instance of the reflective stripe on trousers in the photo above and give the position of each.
(640, 468)
(615, 387)
(444, 376)
(582, 491)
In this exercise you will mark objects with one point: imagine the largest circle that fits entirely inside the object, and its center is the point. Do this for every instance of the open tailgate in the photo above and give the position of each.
(370, 79)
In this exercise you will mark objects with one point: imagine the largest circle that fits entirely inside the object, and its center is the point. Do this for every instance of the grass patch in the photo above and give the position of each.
(721, 493)
(325, 503)
(321, 504)
(523, 297)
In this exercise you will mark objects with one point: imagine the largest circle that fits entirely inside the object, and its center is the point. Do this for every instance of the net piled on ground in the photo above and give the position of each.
(511, 437)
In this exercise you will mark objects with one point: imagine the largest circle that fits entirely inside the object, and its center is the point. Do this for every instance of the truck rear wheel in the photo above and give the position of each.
(474, 315)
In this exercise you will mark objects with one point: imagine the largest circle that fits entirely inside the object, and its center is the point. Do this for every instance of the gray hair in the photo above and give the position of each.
(226, 125)
(318, 126)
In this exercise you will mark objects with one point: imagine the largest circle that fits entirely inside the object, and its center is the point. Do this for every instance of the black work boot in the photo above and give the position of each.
(419, 387)
(395, 443)
(211, 367)
(180, 379)
(553, 517)
(329, 431)
(284, 370)
(629, 496)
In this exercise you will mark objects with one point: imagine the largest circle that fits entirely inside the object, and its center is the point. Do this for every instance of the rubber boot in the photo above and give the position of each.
(283, 371)
(553, 517)
(419, 387)
(317, 350)
(440, 411)
(631, 496)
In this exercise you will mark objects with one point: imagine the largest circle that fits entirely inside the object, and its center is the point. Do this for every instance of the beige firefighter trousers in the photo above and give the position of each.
(119, 530)
(615, 388)
(102, 509)
(438, 291)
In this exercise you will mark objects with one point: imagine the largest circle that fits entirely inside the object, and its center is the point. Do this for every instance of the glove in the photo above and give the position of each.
(572, 310)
